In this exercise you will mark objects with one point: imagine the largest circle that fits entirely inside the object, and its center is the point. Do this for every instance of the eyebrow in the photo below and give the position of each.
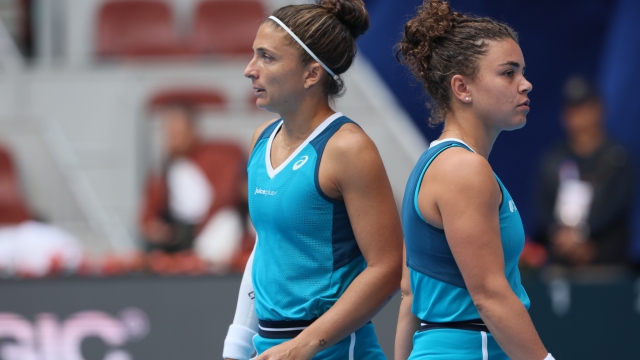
(511, 63)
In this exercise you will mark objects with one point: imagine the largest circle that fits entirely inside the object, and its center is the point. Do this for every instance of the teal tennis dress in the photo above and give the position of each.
(307, 254)
(451, 328)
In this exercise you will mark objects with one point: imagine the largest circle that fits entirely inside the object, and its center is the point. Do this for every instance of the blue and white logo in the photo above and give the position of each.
(512, 206)
(300, 162)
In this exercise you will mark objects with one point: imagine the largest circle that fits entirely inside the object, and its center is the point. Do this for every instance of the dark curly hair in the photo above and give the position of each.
(439, 43)
(330, 29)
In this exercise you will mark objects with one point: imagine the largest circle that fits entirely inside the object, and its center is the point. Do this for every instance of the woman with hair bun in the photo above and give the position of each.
(462, 295)
(328, 253)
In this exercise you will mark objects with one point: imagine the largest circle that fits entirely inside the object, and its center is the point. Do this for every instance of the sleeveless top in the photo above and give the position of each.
(307, 254)
(439, 291)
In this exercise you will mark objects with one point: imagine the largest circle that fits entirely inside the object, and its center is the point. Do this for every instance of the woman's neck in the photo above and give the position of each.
(299, 124)
(472, 131)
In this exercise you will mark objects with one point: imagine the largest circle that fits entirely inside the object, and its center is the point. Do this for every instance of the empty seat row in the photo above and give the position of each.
(132, 28)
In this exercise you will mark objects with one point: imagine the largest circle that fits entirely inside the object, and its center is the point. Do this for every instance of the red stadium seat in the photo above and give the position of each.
(13, 208)
(227, 26)
(209, 99)
(136, 28)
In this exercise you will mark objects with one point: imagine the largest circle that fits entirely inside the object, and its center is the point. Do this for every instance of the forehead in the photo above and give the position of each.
(271, 37)
(502, 51)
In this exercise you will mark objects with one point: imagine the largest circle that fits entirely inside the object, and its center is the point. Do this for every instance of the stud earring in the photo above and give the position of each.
(467, 99)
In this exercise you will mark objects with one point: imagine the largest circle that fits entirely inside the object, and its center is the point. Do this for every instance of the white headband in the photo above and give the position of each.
(303, 46)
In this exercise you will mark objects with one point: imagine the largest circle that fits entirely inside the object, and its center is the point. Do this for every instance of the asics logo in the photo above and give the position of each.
(512, 206)
(300, 162)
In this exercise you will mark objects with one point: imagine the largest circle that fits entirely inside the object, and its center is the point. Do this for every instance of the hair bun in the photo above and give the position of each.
(436, 17)
(433, 20)
(441, 18)
(350, 12)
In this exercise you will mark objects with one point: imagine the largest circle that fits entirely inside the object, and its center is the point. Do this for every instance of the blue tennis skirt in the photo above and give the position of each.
(361, 345)
(455, 344)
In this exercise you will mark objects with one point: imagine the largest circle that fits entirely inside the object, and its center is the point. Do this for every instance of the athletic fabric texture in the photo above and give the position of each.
(439, 292)
(307, 255)
(453, 344)
(361, 345)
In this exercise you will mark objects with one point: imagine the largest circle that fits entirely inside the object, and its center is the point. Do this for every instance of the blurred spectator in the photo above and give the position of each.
(29, 248)
(585, 187)
(197, 202)
(36, 249)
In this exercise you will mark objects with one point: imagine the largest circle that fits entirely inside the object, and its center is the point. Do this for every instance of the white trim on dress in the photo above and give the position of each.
(267, 156)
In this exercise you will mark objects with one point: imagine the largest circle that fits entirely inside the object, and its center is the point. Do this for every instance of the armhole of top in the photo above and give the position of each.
(501, 187)
(322, 141)
(419, 184)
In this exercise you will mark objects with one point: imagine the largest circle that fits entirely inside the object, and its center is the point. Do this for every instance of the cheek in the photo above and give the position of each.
(491, 99)
(499, 98)
(288, 83)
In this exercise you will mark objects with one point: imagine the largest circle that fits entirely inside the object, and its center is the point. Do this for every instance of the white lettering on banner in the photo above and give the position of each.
(49, 339)
(264, 192)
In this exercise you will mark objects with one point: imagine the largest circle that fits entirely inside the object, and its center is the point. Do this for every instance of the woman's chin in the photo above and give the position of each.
(266, 107)
(517, 124)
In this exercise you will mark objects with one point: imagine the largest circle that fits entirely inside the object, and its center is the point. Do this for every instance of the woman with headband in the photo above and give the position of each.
(462, 296)
(329, 246)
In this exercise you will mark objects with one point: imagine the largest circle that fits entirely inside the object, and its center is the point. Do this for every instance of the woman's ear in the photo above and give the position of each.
(460, 89)
(312, 75)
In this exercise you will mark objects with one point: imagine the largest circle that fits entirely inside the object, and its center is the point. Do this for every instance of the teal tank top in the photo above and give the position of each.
(439, 292)
(306, 255)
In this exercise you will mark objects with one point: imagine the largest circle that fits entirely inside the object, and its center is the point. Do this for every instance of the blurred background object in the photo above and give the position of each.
(108, 107)
(585, 186)
(197, 198)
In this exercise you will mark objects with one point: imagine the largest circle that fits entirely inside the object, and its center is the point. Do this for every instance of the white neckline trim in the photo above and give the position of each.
(438, 142)
(267, 156)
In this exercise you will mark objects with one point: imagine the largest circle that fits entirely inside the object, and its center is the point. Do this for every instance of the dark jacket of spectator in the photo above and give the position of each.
(609, 170)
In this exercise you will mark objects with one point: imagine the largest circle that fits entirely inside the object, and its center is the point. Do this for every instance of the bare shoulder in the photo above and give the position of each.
(350, 141)
(464, 172)
(259, 131)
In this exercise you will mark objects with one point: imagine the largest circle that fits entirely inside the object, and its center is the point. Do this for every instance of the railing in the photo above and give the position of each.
(99, 219)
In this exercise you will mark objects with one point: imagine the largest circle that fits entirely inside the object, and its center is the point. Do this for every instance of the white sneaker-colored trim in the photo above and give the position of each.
(352, 346)
(485, 351)
(267, 156)
(282, 329)
(436, 142)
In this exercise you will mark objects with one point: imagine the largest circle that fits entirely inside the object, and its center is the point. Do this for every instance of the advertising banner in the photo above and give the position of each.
(116, 318)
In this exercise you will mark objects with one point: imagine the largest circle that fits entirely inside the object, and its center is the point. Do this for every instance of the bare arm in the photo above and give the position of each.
(351, 169)
(408, 323)
(468, 197)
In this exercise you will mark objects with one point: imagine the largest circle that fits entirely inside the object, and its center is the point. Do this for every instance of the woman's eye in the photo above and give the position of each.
(266, 57)
(509, 73)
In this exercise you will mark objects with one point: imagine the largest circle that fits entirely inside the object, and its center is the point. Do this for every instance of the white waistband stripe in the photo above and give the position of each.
(485, 351)
(282, 329)
(352, 346)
